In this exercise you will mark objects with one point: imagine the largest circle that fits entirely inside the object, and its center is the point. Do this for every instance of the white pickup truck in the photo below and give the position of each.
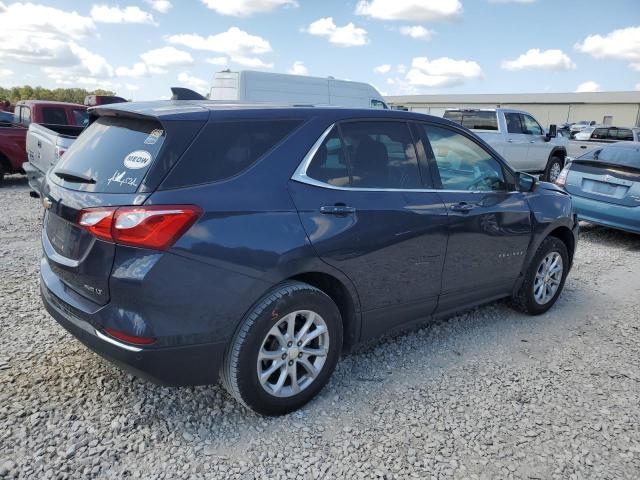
(518, 137)
(45, 146)
(598, 136)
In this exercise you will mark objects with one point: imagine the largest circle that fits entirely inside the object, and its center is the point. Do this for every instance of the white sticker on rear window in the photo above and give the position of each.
(154, 137)
(138, 159)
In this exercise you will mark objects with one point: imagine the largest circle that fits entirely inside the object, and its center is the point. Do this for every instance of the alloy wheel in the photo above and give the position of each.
(293, 353)
(548, 278)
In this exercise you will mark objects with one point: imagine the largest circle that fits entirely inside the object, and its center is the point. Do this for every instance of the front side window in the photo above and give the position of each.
(463, 164)
(80, 117)
(474, 119)
(379, 104)
(531, 127)
(25, 113)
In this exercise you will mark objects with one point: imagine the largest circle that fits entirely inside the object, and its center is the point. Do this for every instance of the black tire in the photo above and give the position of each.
(554, 167)
(239, 370)
(524, 300)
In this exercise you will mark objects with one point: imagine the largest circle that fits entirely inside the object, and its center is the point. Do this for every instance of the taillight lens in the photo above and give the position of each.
(561, 180)
(157, 227)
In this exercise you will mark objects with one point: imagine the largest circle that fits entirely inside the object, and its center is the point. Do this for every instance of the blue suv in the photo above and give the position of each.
(189, 241)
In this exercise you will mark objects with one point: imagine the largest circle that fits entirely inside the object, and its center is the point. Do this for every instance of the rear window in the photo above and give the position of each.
(474, 120)
(627, 156)
(225, 149)
(80, 117)
(114, 154)
(54, 116)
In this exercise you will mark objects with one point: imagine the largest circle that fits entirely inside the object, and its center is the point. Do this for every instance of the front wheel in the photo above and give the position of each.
(544, 278)
(285, 350)
(554, 167)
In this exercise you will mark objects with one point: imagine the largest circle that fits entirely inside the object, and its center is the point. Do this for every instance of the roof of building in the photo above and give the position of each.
(501, 98)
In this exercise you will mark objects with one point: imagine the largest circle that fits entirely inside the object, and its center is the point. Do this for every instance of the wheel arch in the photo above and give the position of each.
(565, 235)
(343, 297)
(558, 152)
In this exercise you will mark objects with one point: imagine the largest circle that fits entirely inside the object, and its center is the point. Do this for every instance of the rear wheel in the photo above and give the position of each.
(285, 350)
(554, 167)
(544, 278)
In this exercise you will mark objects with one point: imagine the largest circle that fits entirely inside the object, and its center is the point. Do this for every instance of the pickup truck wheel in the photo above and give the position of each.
(544, 278)
(554, 167)
(285, 350)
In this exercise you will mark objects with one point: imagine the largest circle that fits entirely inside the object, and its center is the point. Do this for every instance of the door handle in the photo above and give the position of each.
(39, 144)
(337, 210)
(463, 207)
(532, 141)
(583, 147)
(510, 140)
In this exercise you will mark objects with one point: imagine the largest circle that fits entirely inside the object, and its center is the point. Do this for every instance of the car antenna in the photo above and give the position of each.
(180, 93)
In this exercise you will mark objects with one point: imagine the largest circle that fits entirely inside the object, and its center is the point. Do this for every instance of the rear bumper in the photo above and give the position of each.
(607, 214)
(172, 366)
(34, 177)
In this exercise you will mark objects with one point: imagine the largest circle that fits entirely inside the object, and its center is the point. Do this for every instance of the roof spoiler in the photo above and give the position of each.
(180, 93)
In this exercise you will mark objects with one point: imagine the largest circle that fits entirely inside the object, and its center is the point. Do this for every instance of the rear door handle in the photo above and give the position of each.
(583, 146)
(510, 140)
(462, 207)
(337, 210)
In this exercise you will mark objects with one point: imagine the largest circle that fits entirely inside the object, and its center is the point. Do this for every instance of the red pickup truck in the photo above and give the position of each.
(13, 152)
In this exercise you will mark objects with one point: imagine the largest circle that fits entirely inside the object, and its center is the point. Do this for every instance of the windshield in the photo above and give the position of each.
(618, 155)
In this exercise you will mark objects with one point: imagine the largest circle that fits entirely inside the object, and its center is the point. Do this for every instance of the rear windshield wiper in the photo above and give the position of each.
(74, 177)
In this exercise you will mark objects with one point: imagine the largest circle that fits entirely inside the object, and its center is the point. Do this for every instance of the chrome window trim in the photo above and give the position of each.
(300, 175)
(110, 340)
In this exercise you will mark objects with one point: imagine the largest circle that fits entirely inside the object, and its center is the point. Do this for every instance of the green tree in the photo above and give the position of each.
(27, 92)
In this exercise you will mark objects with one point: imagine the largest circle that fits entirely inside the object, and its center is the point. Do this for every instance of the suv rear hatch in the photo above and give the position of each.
(119, 160)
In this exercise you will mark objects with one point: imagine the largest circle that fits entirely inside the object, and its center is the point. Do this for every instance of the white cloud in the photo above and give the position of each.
(411, 10)
(251, 62)
(589, 86)
(347, 36)
(94, 64)
(107, 14)
(159, 59)
(638, 87)
(162, 6)
(635, 66)
(192, 82)
(138, 70)
(442, 72)
(382, 69)
(243, 8)
(299, 68)
(512, 1)
(5, 72)
(417, 32)
(623, 44)
(540, 60)
(131, 87)
(220, 61)
(43, 22)
(233, 42)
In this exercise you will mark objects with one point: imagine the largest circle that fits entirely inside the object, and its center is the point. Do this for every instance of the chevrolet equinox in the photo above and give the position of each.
(188, 241)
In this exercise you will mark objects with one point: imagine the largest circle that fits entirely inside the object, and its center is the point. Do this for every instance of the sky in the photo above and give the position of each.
(141, 48)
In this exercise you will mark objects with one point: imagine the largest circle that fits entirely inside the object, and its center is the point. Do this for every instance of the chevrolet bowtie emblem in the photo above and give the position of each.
(46, 203)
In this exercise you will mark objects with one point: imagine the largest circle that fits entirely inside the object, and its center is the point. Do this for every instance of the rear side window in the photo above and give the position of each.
(54, 116)
(600, 134)
(624, 134)
(225, 149)
(368, 155)
(113, 153)
(477, 120)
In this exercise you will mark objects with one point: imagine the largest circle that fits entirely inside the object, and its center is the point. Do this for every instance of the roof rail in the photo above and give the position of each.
(180, 93)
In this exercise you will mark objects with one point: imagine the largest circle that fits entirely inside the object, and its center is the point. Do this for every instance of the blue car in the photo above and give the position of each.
(605, 186)
(189, 241)
(6, 117)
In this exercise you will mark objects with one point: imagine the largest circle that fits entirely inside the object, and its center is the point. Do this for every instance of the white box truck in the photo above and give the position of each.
(264, 87)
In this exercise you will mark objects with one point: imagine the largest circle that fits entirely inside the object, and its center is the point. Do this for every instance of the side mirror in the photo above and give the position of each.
(525, 182)
(553, 132)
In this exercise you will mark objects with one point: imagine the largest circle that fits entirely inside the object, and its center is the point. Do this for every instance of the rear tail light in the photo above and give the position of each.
(157, 227)
(130, 338)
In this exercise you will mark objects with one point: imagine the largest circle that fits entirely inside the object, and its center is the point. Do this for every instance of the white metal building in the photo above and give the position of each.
(615, 108)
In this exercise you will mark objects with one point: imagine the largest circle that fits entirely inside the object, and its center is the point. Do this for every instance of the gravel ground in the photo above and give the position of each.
(487, 394)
